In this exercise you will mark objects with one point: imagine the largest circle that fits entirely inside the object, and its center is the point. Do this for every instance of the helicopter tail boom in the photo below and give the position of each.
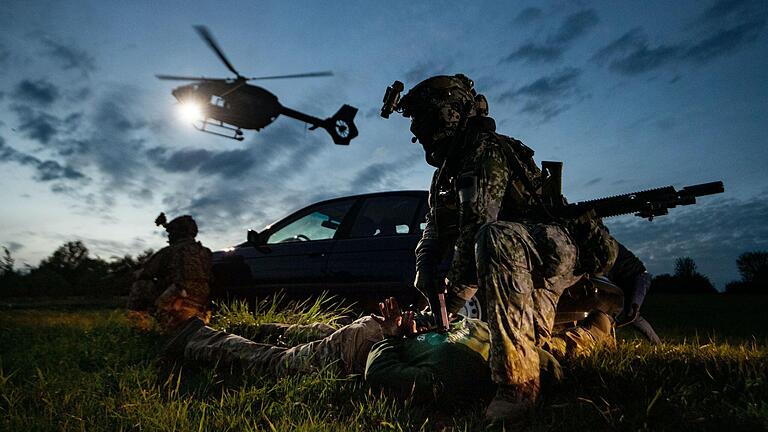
(341, 126)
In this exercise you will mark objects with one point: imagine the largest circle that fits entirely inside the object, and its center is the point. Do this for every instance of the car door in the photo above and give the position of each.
(294, 257)
(376, 257)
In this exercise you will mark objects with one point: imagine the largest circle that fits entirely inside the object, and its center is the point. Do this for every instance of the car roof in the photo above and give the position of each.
(412, 192)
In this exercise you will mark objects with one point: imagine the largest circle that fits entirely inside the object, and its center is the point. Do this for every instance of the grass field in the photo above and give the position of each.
(67, 369)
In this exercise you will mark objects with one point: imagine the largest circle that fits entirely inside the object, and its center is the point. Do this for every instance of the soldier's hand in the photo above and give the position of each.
(628, 315)
(391, 319)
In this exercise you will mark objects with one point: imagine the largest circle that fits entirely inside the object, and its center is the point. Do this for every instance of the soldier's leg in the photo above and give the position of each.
(555, 273)
(505, 254)
(293, 333)
(345, 347)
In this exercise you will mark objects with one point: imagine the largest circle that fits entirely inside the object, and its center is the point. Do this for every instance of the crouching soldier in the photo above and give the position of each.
(173, 285)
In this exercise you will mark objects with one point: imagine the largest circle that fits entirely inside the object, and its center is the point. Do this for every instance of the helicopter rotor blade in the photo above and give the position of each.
(187, 78)
(208, 38)
(303, 75)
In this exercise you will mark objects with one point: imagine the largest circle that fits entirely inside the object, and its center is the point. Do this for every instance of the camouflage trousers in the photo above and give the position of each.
(346, 348)
(522, 270)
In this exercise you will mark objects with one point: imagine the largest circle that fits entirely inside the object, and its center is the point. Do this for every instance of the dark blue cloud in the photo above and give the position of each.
(631, 54)
(69, 57)
(724, 41)
(380, 175)
(529, 15)
(45, 170)
(40, 92)
(722, 9)
(229, 164)
(573, 27)
(424, 70)
(37, 125)
(535, 53)
(548, 96)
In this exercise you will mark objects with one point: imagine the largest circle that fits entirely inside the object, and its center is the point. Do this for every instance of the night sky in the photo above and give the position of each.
(630, 95)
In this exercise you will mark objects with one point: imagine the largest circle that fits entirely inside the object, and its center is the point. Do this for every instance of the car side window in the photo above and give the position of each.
(385, 216)
(320, 224)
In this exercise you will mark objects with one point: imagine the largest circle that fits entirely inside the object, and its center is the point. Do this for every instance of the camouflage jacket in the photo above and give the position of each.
(186, 264)
(480, 183)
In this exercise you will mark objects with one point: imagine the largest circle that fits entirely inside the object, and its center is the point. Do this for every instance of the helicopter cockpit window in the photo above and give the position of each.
(217, 101)
(320, 224)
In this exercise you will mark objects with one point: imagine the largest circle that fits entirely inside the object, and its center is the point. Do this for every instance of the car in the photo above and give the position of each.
(359, 248)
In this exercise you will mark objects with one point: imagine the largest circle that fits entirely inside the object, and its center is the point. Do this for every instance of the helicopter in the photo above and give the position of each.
(226, 106)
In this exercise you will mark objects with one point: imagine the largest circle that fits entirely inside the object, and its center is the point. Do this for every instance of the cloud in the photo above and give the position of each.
(713, 232)
(547, 96)
(268, 163)
(631, 54)
(281, 150)
(571, 28)
(723, 9)
(5, 54)
(46, 170)
(36, 125)
(381, 175)
(40, 92)
(535, 53)
(529, 15)
(574, 26)
(424, 70)
(69, 56)
(724, 41)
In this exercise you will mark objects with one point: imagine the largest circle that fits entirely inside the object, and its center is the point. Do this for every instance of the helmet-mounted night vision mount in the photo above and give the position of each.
(392, 99)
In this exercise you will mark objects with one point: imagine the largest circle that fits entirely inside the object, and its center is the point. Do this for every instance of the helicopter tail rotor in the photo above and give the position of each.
(341, 126)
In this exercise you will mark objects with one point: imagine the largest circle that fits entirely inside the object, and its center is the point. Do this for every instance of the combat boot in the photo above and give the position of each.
(513, 404)
(600, 326)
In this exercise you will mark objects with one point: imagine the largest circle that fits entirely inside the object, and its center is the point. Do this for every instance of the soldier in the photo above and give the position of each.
(386, 348)
(174, 283)
(485, 203)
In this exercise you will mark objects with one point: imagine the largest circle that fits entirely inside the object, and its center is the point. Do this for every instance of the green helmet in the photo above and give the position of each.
(180, 228)
(439, 107)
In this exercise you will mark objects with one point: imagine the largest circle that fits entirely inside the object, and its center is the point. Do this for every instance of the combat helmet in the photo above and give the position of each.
(439, 107)
(180, 228)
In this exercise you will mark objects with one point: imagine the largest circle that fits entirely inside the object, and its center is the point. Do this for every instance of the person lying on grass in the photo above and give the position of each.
(395, 351)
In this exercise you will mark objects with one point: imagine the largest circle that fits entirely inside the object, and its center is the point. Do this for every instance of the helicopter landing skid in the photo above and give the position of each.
(237, 133)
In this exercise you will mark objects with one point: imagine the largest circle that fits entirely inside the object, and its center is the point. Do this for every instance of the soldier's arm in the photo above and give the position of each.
(630, 274)
(154, 265)
(481, 191)
(427, 250)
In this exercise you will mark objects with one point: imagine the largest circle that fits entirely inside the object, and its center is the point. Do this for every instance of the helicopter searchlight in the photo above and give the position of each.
(226, 106)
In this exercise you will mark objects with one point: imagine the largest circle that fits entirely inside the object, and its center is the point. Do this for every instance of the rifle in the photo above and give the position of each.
(646, 204)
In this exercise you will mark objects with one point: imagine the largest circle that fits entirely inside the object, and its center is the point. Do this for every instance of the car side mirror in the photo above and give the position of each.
(255, 238)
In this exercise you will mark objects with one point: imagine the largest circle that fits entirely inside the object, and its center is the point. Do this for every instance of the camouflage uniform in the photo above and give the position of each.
(485, 202)
(522, 266)
(174, 283)
(346, 348)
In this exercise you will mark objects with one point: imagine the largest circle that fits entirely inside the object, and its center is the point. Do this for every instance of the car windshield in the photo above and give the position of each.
(319, 224)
